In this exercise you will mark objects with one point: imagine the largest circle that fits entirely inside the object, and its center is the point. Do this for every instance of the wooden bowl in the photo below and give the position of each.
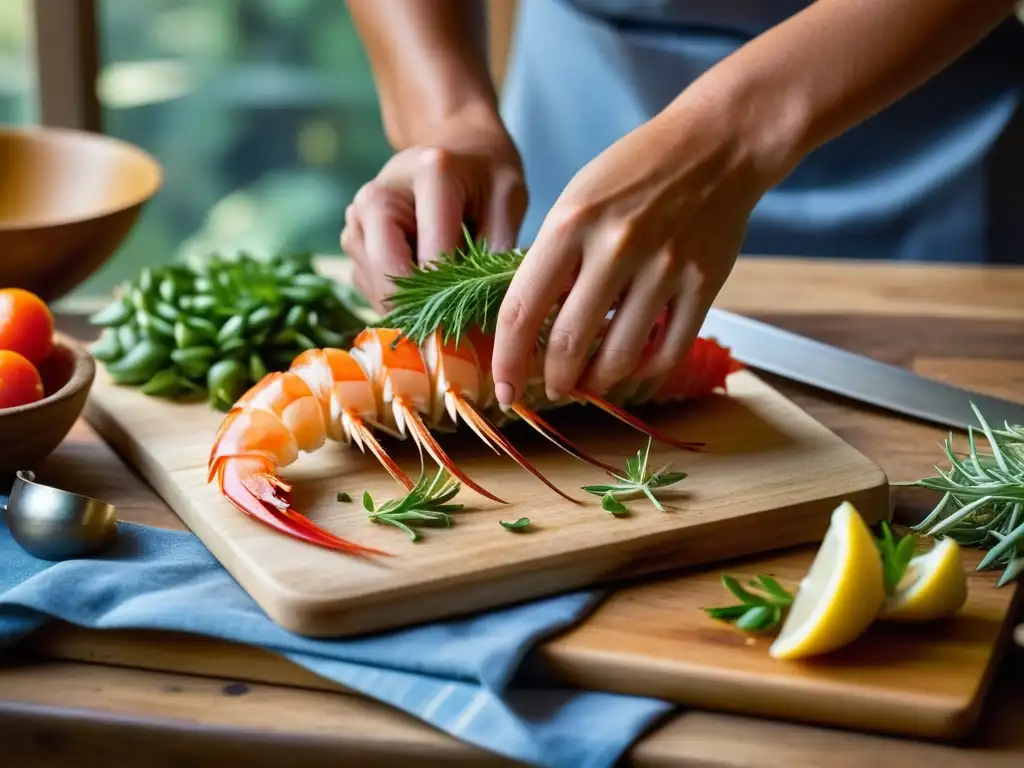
(31, 432)
(67, 201)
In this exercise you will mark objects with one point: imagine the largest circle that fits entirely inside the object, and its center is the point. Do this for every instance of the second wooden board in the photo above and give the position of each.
(769, 478)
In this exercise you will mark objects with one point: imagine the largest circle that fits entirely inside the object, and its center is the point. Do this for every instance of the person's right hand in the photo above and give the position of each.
(470, 173)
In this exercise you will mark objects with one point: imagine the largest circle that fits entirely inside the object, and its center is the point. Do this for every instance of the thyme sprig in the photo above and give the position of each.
(427, 504)
(638, 481)
(462, 289)
(982, 502)
(754, 612)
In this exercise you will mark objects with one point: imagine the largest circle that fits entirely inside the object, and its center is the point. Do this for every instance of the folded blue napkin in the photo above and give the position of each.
(459, 676)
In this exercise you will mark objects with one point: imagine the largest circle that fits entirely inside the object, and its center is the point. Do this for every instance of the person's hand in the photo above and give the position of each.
(653, 223)
(420, 198)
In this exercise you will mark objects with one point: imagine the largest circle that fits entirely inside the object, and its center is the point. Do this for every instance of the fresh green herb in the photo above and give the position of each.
(755, 612)
(639, 481)
(344, 497)
(896, 555)
(460, 290)
(610, 504)
(515, 525)
(214, 326)
(982, 502)
(425, 505)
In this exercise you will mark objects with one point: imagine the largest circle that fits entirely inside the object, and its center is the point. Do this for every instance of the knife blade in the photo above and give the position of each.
(808, 361)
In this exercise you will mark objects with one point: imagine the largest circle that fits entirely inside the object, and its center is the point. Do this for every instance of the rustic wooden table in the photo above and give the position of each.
(121, 698)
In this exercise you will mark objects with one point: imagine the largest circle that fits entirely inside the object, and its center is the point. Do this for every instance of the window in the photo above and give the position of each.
(17, 80)
(262, 112)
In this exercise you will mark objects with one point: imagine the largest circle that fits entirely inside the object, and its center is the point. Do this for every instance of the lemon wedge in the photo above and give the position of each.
(933, 587)
(841, 594)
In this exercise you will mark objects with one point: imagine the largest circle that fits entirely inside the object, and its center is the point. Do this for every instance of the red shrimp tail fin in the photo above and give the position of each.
(421, 434)
(266, 498)
(633, 421)
(489, 433)
(364, 437)
(552, 434)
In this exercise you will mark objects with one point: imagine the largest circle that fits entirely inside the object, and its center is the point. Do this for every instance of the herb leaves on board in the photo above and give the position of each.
(515, 525)
(638, 481)
(754, 612)
(427, 504)
(982, 503)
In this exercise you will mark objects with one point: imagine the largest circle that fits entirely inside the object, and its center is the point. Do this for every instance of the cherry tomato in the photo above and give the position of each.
(26, 324)
(20, 382)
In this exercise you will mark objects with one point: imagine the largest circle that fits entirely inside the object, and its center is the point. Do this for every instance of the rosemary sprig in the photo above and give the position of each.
(982, 502)
(754, 613)
(638, 481)
(425, 505)
(462, 289)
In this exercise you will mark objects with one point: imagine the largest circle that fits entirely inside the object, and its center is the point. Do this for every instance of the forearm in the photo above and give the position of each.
(429, 63)
(835, 64)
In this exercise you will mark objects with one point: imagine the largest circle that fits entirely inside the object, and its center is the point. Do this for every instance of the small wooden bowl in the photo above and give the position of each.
(67, 201)
(31, 432)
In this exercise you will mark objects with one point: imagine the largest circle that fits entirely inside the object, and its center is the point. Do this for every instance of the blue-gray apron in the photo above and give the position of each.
(938, 176)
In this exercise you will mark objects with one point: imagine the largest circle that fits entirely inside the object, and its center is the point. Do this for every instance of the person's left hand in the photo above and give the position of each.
(655, 222)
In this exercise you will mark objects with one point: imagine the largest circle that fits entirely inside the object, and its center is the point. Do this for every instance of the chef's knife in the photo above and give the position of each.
(820, 365)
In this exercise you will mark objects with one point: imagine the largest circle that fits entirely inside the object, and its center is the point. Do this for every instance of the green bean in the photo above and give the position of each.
(194, 361)
(113, 314)
(127, 336)
(232, 329)
(226, 382)
(257, 370)
(106, 348)
(139, 363)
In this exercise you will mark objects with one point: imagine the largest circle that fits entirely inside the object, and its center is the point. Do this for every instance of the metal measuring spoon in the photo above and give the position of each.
(52, 524)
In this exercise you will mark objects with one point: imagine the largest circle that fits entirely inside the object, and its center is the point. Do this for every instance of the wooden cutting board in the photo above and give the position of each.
(770, 477)
(924, 681)
(647, 639)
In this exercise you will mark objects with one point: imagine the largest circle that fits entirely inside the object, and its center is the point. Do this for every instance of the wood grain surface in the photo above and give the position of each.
(650, 639)
(769, 477)
(127, 716)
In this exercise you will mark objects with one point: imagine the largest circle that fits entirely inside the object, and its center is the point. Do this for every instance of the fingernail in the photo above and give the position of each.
(505, 393)
(553, 394)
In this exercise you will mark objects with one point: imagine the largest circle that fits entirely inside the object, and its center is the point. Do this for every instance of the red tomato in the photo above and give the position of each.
(20, 382)
(26, 325)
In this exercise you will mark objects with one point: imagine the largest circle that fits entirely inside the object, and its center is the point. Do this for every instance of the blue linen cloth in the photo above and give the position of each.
(459, 675)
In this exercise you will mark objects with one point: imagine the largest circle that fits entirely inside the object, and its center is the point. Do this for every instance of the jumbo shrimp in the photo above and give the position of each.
(388, 384)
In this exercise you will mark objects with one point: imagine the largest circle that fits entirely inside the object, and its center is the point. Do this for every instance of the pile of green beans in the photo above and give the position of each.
(213, 327)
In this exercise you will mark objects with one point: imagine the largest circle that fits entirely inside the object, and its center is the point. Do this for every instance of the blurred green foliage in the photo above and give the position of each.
(262, 112)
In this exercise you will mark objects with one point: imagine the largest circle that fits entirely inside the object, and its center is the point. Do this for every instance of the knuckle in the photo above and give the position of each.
(370, 194)
(615, 365)
(565, 343)
(568, 218)
(437, 160)
(618, 238)
(512, 314)
(660, 365)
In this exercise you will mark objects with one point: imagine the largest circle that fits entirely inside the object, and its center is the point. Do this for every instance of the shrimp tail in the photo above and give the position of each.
(490, 435)
(251, 487)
